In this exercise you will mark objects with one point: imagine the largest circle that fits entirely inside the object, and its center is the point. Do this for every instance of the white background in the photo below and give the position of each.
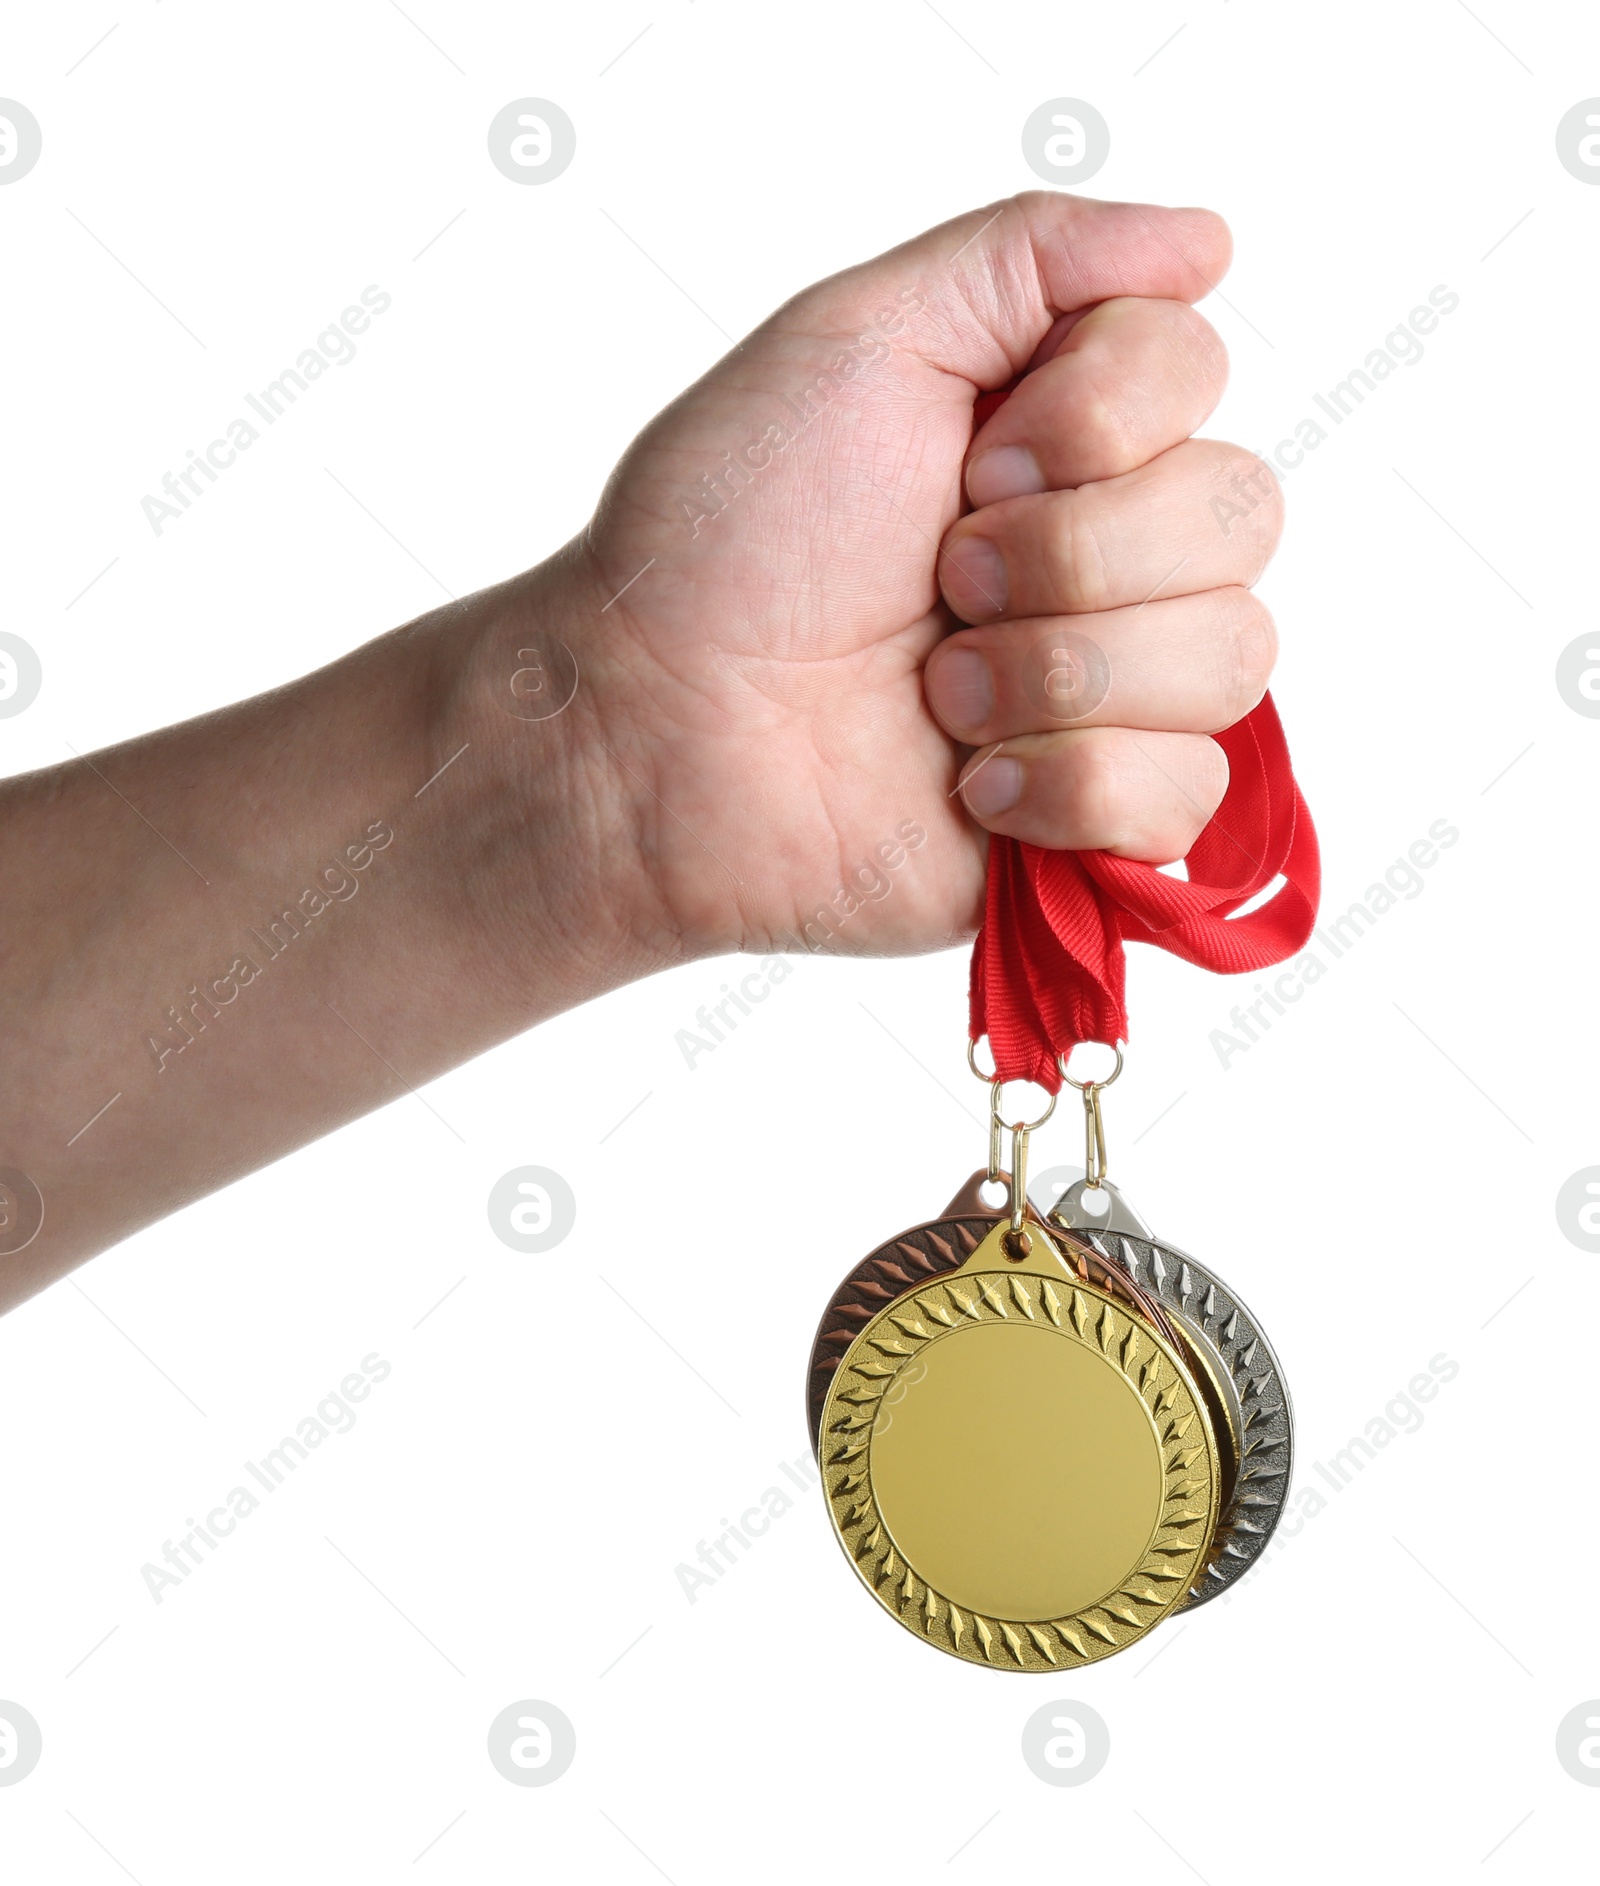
(1383, 1694)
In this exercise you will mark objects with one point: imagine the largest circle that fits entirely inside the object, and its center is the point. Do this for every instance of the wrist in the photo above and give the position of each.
(548, 843)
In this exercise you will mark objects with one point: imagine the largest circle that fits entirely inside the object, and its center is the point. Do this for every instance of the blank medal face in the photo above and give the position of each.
(997, 1522)
(1019, 1467)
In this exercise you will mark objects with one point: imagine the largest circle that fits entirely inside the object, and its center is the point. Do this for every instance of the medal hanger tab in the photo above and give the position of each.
(1071, 1212)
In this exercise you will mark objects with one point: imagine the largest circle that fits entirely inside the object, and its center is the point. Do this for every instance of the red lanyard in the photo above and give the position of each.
(1047, 968)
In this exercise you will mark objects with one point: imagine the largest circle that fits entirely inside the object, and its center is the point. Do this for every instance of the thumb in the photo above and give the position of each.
(986, 287)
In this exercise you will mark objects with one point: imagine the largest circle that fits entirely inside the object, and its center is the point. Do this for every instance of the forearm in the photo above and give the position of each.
(226, 938)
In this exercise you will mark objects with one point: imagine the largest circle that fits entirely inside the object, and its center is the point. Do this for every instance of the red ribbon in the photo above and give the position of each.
(1048, 968)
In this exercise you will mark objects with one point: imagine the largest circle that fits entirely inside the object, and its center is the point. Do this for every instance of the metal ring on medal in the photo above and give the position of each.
(1216, 1317)
(1020, 1468)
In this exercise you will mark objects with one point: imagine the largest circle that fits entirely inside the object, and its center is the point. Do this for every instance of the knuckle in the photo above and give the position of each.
(1250, 474)
(1040, 203)
(1118, 794)
(1097, 417)
(1246, 499)
(1198, 351)
(1190, 820)
(1210, 782)
(1250, 650)
(1177, 840)
(1096, 798)
(1269, 512)
(1075, 556)
(1174, 813)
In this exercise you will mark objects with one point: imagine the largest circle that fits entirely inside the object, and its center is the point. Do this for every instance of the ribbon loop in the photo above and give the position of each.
(1048, 967)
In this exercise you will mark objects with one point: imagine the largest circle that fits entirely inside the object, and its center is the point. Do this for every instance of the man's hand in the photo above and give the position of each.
(778, 687)
(227, 938)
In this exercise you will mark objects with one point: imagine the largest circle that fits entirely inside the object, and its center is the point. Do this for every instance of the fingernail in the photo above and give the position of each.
(974, 577)
(961, 689)
(993, 786)
(1009, 471)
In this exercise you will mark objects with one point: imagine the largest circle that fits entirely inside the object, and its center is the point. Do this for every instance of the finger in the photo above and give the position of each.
(1140, 795)
(976, 296)
(1130, 379)
(1185, 664)
(1200, 516)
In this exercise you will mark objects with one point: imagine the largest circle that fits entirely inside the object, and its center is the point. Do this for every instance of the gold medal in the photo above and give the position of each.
(1019, 1455)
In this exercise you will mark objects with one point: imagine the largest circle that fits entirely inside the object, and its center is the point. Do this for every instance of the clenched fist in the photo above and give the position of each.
(849, 600)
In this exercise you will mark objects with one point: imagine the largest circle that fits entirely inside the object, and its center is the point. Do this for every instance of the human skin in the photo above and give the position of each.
(786, 682)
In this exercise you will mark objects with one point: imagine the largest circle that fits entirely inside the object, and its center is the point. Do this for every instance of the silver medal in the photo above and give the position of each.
(1232, 1352)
